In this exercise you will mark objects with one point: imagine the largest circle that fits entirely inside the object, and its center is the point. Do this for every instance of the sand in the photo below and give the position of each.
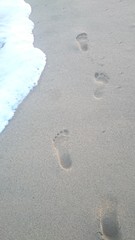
(67, 157)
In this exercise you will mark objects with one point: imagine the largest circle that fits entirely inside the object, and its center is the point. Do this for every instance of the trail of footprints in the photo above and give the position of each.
(101, 78)
(60, 143)
(109, 228)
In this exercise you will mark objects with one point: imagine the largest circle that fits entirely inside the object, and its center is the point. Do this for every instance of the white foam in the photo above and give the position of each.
(20, 63)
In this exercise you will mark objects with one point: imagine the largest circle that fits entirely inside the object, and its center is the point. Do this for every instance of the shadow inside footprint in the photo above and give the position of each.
(98, 93)
(65, 160)
(82, 40)
(2, 44)
(60, 143)
(109, 224)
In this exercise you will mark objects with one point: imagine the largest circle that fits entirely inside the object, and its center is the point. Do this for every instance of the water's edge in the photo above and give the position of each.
(21, 63)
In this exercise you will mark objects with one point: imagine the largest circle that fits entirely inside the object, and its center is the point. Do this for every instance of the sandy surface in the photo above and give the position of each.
(67, 157)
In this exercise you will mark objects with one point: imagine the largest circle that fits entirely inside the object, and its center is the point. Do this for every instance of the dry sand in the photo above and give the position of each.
(67, 168)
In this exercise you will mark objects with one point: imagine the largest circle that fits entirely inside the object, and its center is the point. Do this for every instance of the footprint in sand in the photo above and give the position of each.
(60, 143)
(82, 40)
(101, 79)
(2, 44)
(109, 224)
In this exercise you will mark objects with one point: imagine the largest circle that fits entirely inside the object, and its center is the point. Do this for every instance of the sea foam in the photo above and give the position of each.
(21, 64)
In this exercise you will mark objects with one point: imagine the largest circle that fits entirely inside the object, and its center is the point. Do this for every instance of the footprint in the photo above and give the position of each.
(60, 143)
(82, 40)
(101, 79)
(109, 224)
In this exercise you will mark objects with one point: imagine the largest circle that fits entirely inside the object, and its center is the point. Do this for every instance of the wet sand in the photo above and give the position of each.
(67, 157)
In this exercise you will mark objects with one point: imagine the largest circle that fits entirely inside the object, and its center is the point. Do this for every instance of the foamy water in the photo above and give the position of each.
(20, 63)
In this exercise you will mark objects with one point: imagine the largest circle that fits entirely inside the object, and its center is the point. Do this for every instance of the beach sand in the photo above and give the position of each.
(67, 157)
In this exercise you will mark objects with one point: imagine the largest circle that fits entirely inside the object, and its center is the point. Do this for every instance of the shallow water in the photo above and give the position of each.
(21, 64)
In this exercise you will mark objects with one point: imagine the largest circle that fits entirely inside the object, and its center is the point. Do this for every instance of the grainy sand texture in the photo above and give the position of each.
(67, 158)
